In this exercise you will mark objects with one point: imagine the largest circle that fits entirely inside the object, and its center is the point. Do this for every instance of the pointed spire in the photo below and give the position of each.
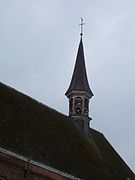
(79, 80)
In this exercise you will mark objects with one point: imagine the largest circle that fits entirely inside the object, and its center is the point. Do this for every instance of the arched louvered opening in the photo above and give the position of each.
(78, 105)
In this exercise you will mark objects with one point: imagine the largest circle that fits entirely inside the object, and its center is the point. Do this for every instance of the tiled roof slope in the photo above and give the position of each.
(114, 164)
(40, 133)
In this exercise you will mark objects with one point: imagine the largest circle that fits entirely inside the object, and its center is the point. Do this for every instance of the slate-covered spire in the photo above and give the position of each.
(79, 80)
(79, 93)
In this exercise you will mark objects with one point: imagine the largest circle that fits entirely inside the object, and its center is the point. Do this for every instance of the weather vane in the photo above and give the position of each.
(81, 24)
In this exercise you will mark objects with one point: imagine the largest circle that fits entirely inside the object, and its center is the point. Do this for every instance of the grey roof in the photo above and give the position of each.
(79, 80)
(39, 133)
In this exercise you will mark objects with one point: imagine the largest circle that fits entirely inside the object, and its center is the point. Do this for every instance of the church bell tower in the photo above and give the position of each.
(79, 93)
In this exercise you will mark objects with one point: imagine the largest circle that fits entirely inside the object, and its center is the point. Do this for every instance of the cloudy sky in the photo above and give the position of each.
(38, 45)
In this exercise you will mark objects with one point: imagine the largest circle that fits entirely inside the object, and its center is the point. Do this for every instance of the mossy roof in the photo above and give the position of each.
(31, 129)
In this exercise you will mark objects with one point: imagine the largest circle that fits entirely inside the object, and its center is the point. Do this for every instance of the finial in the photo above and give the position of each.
(81, 24)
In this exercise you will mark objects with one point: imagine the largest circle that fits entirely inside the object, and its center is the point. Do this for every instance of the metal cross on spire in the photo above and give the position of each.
(81, 24)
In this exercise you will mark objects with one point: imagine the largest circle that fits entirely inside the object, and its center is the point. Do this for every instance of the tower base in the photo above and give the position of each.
(82, 123)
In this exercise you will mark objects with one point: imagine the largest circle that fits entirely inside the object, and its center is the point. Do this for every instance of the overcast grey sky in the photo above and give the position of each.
(38, 45)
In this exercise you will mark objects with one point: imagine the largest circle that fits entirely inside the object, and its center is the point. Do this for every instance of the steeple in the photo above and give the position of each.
(79, 80)
(79, 92)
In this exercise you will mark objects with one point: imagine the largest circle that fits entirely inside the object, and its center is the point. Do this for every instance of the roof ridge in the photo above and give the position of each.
(27, 96)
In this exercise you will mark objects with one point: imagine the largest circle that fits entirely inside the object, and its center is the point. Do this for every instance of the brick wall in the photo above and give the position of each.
(14, 168)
